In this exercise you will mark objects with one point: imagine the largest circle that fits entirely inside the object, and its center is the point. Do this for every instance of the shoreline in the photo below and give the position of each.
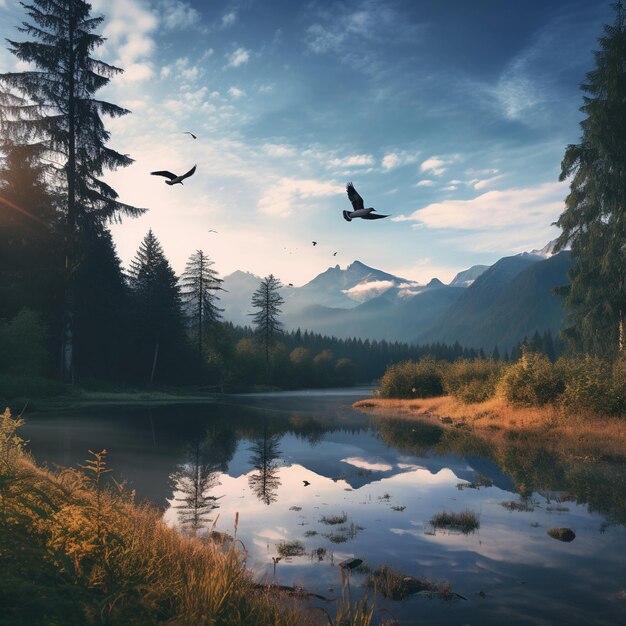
(579, 437)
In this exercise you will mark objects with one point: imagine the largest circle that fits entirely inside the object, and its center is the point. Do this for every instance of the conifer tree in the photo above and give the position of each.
(594, 221)
(157, 306)
(267, 300)
(53, 106)
(199, 284)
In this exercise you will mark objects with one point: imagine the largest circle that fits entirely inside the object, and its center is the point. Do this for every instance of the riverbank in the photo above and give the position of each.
(580, 437)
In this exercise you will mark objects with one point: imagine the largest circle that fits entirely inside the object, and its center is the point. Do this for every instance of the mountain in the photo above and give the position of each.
(235, 299)
(467, 277)
(510, 300)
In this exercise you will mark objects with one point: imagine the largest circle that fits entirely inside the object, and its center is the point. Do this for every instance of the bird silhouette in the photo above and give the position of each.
(359, 207)
(334, 254)
(188, 133)
(306, 483)
(213, 231)
(314, 243)
(174, 178)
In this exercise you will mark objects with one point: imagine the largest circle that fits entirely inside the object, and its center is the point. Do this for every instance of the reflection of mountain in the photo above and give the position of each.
(264, 483)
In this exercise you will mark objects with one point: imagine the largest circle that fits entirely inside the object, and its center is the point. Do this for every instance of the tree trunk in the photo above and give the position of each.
(621, 331)
(67, 352)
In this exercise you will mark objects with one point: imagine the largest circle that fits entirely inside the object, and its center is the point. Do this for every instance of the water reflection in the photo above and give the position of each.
(265, 482)
(374, 484)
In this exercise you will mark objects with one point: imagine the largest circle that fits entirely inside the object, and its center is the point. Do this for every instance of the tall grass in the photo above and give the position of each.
(472, 380)
(79, 541)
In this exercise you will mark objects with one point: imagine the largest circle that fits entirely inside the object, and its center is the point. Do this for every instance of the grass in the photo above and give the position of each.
(466, 521)
(395, 585)
(515, 505)
(75, 549)
(290, 548)
(334, 520)
(578, 436)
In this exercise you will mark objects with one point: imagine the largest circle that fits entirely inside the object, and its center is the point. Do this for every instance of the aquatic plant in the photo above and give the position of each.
(333, 520)
(466, 521)
(290, 548)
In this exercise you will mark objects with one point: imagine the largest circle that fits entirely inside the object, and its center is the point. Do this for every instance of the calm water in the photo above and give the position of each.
(387, 477)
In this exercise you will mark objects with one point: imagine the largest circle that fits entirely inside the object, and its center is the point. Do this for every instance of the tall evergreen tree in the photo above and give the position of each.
(199, 284)
(53, 106)
(267, 300)
(159, 326)
(594, 221)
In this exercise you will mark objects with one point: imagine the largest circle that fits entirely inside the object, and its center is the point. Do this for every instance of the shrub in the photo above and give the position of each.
(589, 384)
(532, 381)
(472, 381)
(409, 379)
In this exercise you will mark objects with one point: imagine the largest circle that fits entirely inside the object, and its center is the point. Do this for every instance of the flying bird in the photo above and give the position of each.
(211, 230)
(359, 207)
(306, 483)
(314, 243)
(334, 254)
(188, 133)
(173, 178)
(291, 284)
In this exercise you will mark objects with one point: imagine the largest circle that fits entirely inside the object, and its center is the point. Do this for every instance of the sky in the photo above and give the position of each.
(450, 117)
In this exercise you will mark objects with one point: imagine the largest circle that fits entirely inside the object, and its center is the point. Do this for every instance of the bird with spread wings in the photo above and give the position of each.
(359, 207)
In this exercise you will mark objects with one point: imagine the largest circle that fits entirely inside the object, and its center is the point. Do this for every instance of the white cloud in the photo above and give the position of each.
(450, 188)
(425, 183)
(266, 89)
(176, 14)
(292, 193)
(235, 92)
(395, 159)
(494, 210)
(238, 57)
(479, 184)
(434, 165)
(368, 290)
(279, 150)
(229, 19)
(129, 43)
(355, 160)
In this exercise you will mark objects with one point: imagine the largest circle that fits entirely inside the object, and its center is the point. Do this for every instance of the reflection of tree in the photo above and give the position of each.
(198, 475)
(265, 481)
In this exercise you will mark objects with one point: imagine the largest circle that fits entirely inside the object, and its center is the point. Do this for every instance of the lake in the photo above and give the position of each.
(310, 476)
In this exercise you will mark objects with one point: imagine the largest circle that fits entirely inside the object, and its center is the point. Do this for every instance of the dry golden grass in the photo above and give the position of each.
(587, 436)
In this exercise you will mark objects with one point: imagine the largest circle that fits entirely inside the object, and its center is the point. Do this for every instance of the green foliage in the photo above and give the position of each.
(410, 379)
(472, 381)
(532, 381)
(593, 222)
(590, 385)
(22, 344)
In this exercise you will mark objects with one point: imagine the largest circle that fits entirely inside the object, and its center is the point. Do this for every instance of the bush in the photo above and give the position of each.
(409, 379)
(590, 384)
(472, 381)
(532, 381)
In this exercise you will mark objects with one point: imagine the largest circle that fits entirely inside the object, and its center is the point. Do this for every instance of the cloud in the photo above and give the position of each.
(238, 57)
(479, 184)
(229, 19)
(176, 15)
(366, 291)
(426, 182)
(395, 159)
(435, 165)
(355, 160)
(279, 150)
(495, 210)
(128, 31)
(235, 92)
(292, 193)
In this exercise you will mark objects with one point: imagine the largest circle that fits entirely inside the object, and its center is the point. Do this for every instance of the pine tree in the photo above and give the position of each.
(594, 221)
(199, 284)
(157, 307)
(53, 106)
(267, 300)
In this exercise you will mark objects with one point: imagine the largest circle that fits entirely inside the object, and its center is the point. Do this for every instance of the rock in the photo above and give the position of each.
(562, 534)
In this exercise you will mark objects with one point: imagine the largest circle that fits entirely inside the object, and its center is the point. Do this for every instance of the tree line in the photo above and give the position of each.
(95, 320)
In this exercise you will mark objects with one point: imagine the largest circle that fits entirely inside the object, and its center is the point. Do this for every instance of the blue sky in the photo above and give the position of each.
(452, 117)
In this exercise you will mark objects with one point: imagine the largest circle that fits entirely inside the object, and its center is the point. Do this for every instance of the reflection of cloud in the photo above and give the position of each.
(368, 465)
